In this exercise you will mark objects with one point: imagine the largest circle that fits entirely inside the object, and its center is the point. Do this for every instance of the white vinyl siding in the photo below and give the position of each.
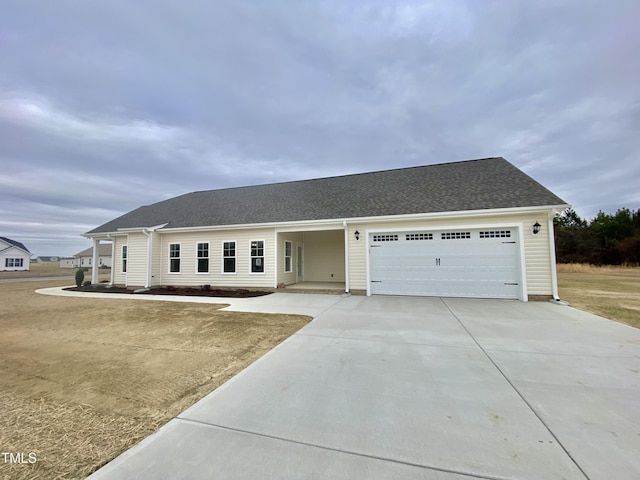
(295, 238)
(324, 256)
(119, 277)
(215, 238)
(136, 275)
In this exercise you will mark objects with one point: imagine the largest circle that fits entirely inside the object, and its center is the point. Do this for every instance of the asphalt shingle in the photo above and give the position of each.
(468, 185)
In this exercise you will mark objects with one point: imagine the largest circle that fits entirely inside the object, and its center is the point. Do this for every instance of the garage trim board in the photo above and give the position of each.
(477, 261)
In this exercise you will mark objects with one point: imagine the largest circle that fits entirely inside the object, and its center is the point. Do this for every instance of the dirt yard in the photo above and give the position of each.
(611, 292)
(82, 380)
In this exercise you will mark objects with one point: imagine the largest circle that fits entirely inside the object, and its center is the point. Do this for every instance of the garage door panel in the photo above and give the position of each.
(474, 263)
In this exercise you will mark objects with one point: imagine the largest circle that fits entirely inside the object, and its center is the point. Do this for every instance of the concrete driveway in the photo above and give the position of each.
(418, 388)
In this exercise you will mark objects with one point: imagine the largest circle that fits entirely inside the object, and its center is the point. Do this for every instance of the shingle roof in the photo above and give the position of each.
(469, 185)
(104, 250)
(15, 244)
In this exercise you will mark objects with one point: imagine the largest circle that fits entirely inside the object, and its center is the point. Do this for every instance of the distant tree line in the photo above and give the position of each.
(605, 240)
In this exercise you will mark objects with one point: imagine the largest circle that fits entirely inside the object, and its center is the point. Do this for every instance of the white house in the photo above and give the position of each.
(85, 258)
(13, 255)
(477, 228)
(68, 262)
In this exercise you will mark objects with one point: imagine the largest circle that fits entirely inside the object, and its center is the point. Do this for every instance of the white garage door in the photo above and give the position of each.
(480, 263)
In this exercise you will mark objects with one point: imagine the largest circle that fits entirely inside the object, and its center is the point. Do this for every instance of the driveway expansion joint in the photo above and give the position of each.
(504, 375)
(346, 452)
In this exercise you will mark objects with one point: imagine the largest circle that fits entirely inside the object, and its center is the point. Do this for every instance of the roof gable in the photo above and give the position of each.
(469, 185)
(13, 243)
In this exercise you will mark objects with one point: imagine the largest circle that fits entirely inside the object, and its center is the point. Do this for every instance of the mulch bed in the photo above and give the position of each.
(186, 291)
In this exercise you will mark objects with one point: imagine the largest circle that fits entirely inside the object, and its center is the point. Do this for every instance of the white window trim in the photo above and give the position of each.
(123, 259)
(290, 256)
(169, 259)
(208, 257)
(264, 256)
(235, 256)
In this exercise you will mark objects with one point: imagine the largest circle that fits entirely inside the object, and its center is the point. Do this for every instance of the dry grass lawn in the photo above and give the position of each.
(81, 380)
(611, 292)
(43, 270)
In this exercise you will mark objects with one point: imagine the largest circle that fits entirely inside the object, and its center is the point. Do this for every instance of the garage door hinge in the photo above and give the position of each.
(376, 281)
(508, 242)
(511, 283)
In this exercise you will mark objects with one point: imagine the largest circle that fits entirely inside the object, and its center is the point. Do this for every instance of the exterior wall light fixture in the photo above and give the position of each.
(357, 234)
(536, 228)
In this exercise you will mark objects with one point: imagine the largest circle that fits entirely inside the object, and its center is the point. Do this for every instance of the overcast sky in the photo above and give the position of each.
(106, 105)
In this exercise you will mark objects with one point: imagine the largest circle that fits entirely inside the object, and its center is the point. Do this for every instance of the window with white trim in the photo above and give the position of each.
(202, 252)
(229, 257)
(288, 249)
(124, 259)
(257, 256)
(174, 258)
(13, 262)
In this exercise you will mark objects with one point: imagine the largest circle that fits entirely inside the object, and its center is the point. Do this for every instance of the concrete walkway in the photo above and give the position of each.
(417, 388)
(291, 303)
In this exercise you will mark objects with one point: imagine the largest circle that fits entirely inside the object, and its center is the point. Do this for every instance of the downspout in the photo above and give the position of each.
(346, 256)
(552, 253)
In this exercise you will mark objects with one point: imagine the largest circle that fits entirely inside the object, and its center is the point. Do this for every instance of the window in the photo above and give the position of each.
(257, 256)
(496, 234)
(419, 236)
(203, 257)
(385, 238)
(13, 262)
(174, 258)
(287, 256)
(455, 235)
(124, 259)
(229, 257)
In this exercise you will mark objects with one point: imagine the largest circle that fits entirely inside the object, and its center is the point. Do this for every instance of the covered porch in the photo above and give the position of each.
(313, 259)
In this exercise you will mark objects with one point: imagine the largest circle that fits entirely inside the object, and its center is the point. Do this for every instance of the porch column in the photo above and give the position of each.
(346, 256)
(94, 262)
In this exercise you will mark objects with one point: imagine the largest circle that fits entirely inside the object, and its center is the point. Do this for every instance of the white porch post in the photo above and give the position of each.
(94, 262)
(346, 257)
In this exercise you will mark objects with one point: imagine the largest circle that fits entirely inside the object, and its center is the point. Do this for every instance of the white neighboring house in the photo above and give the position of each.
(13, 255)
(69, 262)
(85, 257)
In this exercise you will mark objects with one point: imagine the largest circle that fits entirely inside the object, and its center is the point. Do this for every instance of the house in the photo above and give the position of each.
(45, 259)
(477, 228)
(85, 257)
(69, 262)
(13, 255)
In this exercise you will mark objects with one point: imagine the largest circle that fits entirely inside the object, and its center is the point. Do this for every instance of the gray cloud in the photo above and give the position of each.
(105, 106)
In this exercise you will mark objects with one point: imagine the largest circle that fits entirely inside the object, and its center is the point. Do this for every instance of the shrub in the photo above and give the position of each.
(87, 283)
(79, 277)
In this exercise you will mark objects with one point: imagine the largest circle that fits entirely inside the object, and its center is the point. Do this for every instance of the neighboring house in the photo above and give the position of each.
(85, 257)
(44, 259)
(69, 262)
(13, 255)
(478, 228)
